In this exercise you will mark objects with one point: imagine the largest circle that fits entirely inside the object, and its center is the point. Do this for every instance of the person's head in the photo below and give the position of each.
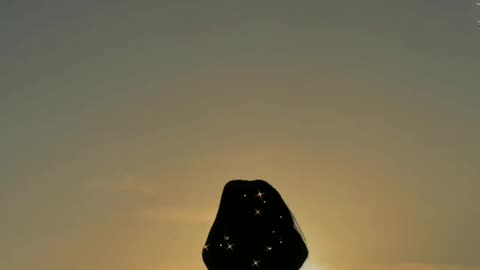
(254, 228)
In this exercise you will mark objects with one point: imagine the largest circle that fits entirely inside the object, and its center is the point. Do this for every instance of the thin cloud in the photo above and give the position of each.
(124, 184)
(178, 214)
(406, 266)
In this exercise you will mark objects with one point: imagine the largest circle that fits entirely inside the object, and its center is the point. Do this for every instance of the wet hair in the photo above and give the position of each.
(254, 229)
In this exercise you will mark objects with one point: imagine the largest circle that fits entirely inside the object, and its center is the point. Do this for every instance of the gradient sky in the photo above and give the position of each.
(120, 124)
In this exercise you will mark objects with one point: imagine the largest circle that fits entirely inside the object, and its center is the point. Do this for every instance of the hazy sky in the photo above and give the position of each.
(121, 122)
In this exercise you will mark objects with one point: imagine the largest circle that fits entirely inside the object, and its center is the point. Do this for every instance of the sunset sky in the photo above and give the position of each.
(120, 122)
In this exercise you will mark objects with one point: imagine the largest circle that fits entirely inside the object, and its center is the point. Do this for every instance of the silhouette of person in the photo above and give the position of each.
(253, 229)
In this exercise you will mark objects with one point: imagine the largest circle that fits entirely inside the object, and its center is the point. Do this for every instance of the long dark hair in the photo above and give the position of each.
(254, 228)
